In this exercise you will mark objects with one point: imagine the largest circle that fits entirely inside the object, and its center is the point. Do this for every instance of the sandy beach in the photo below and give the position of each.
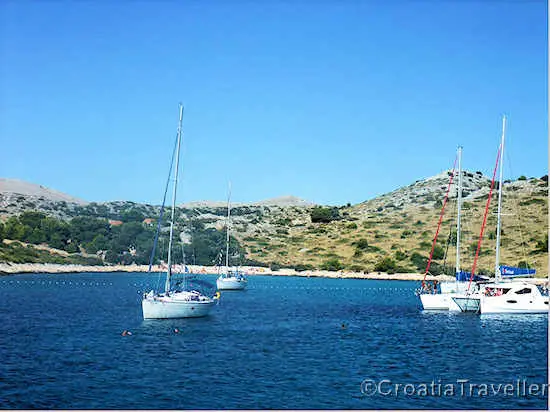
(14, 268)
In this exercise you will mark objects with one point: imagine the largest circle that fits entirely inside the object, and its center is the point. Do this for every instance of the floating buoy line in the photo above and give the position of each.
(141, 287)
(52, 283)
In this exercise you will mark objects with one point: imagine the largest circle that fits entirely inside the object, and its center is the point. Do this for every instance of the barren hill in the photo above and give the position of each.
(12, 187)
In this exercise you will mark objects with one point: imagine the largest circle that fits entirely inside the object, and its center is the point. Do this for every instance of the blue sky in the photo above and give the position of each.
(331, 101)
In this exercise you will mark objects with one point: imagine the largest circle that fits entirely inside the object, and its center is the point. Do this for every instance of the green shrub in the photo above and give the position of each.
(542, 245)
(419, 261)
(361, 244)
(524, 265)
(274, 266)
(385, 265)
(321, 214)
(439, 253)
(399, 255)
(283, 221)
(302, 267)
(332, 264)
(405, 234)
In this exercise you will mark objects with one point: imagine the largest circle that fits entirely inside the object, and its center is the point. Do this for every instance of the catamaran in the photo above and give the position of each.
(230, 280)
(179, 302)
(505, 294)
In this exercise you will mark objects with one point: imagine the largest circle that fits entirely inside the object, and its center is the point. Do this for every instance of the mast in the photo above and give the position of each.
(459, 206)
(227, 230)
(169, 273)
(498, 276)
(439, 223)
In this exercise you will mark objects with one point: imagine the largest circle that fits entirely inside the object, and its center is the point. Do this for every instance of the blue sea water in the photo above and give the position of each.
(286, 342)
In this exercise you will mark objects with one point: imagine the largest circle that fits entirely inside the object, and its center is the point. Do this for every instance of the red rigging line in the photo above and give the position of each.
(439, 223)
(485, 218)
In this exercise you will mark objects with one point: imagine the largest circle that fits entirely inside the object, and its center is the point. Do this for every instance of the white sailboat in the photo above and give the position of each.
(502, 295)
(442, 299)
(230, 280)
(175, 303)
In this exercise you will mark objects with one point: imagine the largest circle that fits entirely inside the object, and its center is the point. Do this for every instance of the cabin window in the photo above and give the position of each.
(523, 291)
(496, 291)
(511, 301)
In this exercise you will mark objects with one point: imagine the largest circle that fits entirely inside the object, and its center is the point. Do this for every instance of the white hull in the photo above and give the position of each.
(438, 301)
(514, 304)
(503, 297)
(230, 283)
(443, 300)
(176, 305)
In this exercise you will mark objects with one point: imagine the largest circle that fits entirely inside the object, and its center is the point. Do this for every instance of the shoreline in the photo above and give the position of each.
(53, 268)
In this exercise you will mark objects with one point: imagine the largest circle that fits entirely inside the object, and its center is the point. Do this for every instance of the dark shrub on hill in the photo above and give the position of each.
(332, 264)
(324, 214)
(385, 265)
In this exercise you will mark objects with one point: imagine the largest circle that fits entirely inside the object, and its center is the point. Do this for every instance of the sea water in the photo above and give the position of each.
(285, 342)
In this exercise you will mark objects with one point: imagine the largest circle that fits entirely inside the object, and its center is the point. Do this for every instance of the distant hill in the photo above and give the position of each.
(284, 201)
(10, 188)
(277, 201)
(392, 232)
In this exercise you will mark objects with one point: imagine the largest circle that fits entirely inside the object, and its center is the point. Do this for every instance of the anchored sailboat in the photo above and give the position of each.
(174, 303)
(430, 297)
(502, 295)
(230, 280)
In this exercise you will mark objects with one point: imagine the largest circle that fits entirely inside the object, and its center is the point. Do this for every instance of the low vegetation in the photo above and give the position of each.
(392, 233)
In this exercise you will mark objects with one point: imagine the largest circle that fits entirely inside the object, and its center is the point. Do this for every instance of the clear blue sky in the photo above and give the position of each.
(331, 101)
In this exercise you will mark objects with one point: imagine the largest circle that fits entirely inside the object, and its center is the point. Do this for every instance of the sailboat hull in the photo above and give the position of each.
(514, 304)
(230, 283)
(443, 300)
(439, 301)
(174, 307)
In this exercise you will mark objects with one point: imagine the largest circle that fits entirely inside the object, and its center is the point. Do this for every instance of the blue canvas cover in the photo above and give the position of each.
(463, 276)
(511, 271)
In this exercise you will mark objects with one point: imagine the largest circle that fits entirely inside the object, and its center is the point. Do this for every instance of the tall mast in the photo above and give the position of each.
(498, 276)
(169, 273)
(227, 230)
(459, 206)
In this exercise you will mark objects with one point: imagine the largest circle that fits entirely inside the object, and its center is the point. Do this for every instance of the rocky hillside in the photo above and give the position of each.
(399, 227)
(17, 196)
(392, 232)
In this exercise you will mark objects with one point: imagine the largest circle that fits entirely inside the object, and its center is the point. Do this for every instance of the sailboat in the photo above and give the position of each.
(504, 295)
(430, 297)
(171, 303)
(230, 280)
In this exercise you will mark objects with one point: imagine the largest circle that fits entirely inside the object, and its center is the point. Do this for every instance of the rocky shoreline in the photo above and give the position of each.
(16, 268)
